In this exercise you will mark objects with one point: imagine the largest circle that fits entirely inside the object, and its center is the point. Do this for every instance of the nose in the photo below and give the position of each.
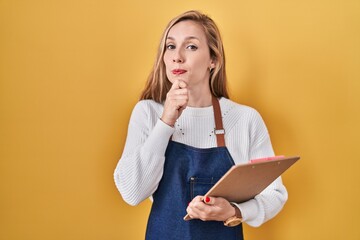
(177, 57)
(177, 60)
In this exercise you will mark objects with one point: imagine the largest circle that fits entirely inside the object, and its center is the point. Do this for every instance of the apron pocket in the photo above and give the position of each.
(200, 186)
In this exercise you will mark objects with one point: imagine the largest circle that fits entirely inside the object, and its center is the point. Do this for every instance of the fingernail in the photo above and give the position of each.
(207, 199)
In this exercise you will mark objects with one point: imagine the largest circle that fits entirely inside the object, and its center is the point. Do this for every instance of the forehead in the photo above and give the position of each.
(185, 29)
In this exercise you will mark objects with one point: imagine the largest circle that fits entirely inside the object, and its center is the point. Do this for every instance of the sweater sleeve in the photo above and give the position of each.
(140, 167)
(269, 202)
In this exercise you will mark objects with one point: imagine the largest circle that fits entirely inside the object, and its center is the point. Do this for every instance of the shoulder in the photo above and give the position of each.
(148, 107)
(241, 118)
(145, 109)
(230, 108)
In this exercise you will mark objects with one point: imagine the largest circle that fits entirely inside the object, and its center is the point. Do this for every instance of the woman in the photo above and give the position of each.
(185, 134)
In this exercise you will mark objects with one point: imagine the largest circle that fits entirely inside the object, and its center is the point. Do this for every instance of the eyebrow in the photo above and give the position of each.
(187, 38)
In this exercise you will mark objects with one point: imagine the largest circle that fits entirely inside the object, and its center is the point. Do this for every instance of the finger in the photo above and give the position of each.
(182, 84)
(178, 103)
(196, 202)
(176, 100)
(190, 214)
(178, 84)
(197, 213)
(177, 94)
(175, 85)
(180, 91)
(194, 212)
(198, 199)
(177, 97)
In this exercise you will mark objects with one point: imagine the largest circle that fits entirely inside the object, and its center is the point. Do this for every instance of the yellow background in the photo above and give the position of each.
(72, 70)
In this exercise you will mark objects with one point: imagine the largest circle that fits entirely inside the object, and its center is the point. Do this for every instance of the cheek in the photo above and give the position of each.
(201, 67)
(166, 59)
(167, 66)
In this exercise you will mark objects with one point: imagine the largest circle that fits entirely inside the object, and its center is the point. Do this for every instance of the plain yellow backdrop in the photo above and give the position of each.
(72, 70)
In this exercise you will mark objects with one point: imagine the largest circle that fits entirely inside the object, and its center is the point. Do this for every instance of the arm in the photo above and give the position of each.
(269, 202)
(140, 168)
(265, 205)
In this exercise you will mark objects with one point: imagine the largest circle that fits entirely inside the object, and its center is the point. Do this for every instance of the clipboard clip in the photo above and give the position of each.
(267, 159)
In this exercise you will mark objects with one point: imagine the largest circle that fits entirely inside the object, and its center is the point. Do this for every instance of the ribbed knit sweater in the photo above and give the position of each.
(140, 168)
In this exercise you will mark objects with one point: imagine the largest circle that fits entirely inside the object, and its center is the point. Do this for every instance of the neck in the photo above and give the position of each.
(200, 98)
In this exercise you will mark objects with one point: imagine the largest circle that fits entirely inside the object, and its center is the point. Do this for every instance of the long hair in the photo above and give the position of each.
(158, 85)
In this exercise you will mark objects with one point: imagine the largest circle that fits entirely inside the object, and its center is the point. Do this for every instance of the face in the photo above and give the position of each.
(187, 56)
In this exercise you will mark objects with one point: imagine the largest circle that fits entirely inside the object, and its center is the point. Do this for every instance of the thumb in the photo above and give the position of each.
(209, 200)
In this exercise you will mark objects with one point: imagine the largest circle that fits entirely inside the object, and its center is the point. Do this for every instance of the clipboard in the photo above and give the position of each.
(243, 182)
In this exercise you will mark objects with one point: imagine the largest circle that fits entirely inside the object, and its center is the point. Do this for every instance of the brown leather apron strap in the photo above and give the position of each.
(219, 129)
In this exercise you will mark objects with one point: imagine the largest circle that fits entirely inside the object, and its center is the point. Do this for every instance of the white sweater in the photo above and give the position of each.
(140, 168)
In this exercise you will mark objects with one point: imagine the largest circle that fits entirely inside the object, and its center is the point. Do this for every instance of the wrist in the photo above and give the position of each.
(169, 123)
(235, 219)
(237, 211)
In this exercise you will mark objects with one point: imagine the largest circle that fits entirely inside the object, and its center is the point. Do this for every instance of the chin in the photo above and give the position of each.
(172, 80)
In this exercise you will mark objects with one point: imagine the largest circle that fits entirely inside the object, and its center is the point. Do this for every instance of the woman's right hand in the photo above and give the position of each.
(176, 101)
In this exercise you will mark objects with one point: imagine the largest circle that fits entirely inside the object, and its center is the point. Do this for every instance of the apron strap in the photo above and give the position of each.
(219, 129)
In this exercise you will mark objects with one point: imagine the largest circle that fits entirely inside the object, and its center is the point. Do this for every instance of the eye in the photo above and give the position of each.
(192, 47)
(170, 46)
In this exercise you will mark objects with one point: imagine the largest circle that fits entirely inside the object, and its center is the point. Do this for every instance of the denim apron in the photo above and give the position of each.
(188, 172)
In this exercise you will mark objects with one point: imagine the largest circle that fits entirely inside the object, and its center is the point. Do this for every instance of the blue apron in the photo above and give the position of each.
(188, 172)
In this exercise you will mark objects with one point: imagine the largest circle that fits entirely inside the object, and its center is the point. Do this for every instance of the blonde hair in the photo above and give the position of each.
(158, 85)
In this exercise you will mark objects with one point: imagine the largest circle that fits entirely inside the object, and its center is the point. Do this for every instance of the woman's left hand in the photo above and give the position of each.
(210, 208)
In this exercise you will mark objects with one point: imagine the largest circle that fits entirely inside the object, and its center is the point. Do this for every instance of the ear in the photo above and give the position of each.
(213, 63)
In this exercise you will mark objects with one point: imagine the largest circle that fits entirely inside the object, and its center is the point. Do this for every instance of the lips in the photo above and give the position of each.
(178, 71)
